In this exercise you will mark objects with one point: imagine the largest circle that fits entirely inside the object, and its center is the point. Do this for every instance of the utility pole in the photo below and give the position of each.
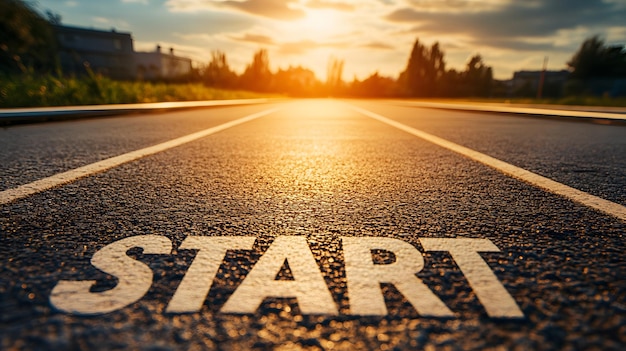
(542, 77)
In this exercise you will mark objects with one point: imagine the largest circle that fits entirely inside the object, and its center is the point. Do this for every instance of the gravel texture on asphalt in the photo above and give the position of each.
(319, 170)
(583, 155)
(31, 152)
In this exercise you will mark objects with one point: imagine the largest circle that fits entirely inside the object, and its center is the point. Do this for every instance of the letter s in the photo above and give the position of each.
(135, 278)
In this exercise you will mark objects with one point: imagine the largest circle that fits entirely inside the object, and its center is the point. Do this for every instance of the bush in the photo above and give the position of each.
(30, 90)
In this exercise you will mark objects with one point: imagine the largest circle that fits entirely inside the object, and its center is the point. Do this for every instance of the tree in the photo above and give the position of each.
(453, 84)
(437, 68)
(478, 77)
(424, 71)
(218, 72)
(26, 39)
(257, 76)
(374, 86)
(334, 81)
(53, 18)
(296, 81)
(596, 60)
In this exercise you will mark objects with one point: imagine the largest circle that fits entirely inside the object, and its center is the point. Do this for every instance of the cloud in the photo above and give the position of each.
(516, 45)
(303, 46)
(144, 2)
(275, 9)
(297, 48)
(459, 6)
(616, 33)
(323, 4)
(255, 38)
(377, 45)
(508, 24)
(101, 20)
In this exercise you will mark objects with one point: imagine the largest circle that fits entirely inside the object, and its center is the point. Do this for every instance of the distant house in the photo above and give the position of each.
(526, 83)
(106, 52)
(111, 53)
(156, 64)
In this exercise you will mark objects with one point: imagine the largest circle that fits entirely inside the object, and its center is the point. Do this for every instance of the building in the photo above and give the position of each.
(111, 54)
(526, 83)
(108, 53)
(159, 65)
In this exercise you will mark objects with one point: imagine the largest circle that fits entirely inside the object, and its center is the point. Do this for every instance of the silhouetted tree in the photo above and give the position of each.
(218, 73)
(478, 77)
(453, 84)
(437, 68)
(424, 71)
(26, 39)
(334, 81)
(374, 86)
(296, 81)
(596, 60)
(257, 76)
(53, 18)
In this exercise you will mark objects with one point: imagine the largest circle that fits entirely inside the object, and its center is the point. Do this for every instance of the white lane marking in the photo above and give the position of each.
(128, 107)
(520, 110)
(548, 184)
(47, 183)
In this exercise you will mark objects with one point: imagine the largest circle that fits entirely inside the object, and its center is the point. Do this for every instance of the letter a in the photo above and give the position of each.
(308, 286)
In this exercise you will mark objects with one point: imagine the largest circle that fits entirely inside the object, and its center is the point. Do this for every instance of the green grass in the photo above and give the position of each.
(48, 90)
(30, 90)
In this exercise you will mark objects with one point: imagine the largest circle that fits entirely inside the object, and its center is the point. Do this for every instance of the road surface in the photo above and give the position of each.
(313, 225)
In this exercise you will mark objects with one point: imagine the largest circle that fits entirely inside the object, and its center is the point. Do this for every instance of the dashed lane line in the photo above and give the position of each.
(25, 190)
(548, 184)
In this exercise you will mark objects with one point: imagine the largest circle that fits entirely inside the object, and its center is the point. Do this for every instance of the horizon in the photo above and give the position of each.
(373, 36)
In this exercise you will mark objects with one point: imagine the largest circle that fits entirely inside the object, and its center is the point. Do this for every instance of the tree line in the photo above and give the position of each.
(28, 44)
(424, 76)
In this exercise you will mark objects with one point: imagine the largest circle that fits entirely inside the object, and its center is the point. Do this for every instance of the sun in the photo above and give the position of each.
(320, 24)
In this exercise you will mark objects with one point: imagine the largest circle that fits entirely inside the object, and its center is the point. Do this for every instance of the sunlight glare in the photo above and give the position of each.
(320, 24)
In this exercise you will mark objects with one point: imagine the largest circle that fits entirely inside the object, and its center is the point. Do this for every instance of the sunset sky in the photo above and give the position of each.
(370, 35)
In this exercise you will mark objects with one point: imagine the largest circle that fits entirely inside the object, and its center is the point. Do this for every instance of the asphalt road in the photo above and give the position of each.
(314, 225)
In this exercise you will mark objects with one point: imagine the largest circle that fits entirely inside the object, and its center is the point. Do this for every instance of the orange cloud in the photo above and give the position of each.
(302, 46)
(255, 38)
(276, 9)
(377, 45)
(322, 4)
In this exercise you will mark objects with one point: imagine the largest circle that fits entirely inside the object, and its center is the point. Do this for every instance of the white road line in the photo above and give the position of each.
(548, 184)
(127, 107)
(44, 184)
(519, 110)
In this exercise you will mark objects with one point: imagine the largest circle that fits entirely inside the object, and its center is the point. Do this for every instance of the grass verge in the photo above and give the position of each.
(49, 90)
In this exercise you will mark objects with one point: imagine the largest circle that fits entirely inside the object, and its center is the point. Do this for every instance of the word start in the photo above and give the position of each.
(363, 276)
